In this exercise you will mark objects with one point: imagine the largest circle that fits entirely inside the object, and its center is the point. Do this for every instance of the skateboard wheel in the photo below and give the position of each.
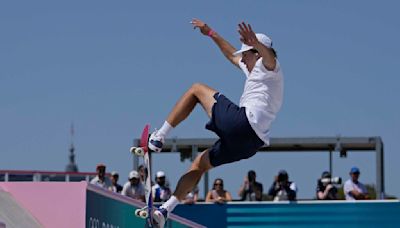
(132, 150)
(139, 151)
(137, 212)
(143, 214)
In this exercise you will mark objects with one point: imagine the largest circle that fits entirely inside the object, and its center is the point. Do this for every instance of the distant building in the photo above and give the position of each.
(72, 166)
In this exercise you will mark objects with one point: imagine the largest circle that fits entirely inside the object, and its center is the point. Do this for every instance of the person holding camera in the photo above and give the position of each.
(353, 189)
(326, 189)
(282, 189)
(251, 190)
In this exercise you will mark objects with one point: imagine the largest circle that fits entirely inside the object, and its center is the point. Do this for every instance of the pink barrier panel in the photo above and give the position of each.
(53, 204)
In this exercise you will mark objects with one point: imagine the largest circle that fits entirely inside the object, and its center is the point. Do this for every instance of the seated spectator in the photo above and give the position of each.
(282, 189)
(161, 192)
(192, 196)
(142, 172)
(251, 190)
(134, 188)
(101, 180)
(218, 194)
(115, 187)
(353, 189)
(326, 190)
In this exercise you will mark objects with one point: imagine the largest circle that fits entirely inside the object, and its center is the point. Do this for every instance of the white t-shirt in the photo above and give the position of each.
(262, 96)
(96, 181)
(162, 193)
(349, 186)
(135, 192)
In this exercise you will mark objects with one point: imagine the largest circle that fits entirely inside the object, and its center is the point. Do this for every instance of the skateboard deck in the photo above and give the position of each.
(143, 151)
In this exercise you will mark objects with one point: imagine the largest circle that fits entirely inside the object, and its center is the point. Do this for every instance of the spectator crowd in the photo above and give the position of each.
(281, 188)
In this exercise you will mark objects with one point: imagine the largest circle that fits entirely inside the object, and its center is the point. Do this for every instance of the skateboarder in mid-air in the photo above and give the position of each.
(242, 129)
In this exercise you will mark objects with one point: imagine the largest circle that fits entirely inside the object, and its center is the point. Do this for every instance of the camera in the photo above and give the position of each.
(333, 180)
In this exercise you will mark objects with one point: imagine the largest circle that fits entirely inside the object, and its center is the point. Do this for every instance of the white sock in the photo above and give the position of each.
(164, 130)
(170, 204)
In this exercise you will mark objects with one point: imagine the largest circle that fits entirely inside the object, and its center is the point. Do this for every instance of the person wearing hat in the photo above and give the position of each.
(354, 189)
(134, 188)
(282, 189)
(115, 187)
(161, 192)
(242, 129)
(101, 180)
(325, 188)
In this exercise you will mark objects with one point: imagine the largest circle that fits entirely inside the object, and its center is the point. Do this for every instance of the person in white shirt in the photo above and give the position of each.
(354, 189)
(161, 192)
(242, 129)
(134, 188)
(101, 180)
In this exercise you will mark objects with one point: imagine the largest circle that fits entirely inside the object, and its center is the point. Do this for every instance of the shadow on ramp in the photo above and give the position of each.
(13, 215)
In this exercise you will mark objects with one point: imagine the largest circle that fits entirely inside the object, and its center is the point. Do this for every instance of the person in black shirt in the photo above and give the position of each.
(282, 189)
(325, 188)
(115, 187)
(251, 190)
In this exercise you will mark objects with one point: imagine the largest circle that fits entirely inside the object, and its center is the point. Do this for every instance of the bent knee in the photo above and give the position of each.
(202, 90)
(197, 87)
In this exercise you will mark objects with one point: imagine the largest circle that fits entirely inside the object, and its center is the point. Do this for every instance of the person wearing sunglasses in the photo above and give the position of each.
(218, 194)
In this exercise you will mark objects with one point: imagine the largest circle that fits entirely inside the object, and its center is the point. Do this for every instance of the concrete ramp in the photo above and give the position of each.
(78, 204)
(13, 215)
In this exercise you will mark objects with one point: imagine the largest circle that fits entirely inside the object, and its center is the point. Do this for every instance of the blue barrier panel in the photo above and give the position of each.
(109, 210)
(209, 215)
(301, 214)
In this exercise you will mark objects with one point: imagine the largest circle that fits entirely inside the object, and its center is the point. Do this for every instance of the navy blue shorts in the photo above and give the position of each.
(237, 139)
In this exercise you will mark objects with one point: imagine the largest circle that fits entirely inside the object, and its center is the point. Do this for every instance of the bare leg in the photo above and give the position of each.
(189, 180)
(185, 184)
(198, 93)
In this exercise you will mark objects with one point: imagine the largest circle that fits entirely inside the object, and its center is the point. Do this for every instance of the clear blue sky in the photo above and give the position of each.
(112, 66)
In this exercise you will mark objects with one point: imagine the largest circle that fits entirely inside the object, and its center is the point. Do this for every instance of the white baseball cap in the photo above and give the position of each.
(133, 174)
(262, 38)
(160, 174)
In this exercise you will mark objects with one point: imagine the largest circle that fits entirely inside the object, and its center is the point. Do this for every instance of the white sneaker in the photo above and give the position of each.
(160, 216)
(156, 142)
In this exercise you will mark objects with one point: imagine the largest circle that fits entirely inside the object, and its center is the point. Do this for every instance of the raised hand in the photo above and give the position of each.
(247, 36)
(204, 29)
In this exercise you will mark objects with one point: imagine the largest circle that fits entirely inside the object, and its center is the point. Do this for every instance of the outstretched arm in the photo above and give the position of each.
(226, 48)
(248, 37)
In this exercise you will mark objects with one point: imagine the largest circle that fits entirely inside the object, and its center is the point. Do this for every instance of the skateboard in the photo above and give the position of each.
(143, 151)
